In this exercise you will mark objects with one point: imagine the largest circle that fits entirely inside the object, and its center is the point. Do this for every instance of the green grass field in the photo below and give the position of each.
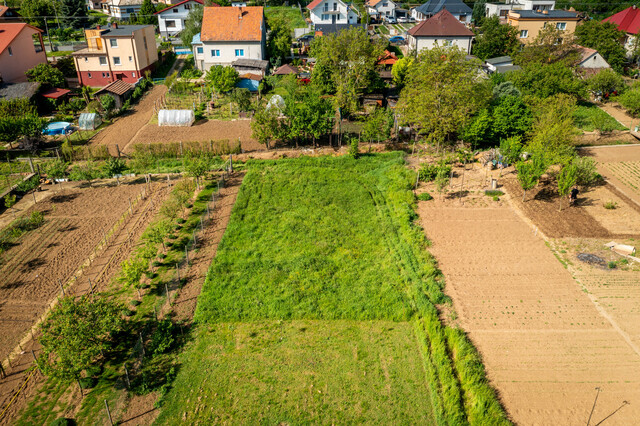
(291, 15)
(588, 117)
(319, 279)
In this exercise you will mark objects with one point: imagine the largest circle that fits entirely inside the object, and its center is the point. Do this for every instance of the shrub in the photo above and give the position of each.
(612, 265)
(425, 196)
(496, 198)
(631, 101)
(163, 337)
(610, 205)
(428, 172)
(353, 148)
(493, 192)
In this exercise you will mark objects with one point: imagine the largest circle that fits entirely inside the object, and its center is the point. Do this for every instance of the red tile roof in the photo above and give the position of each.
(442, 23)
(313, 4)
(232, 23)
(55, 93)
(389, 58)
(286, 69)
(182, 2)
(117, 87)
(628, 20)
(8, 32)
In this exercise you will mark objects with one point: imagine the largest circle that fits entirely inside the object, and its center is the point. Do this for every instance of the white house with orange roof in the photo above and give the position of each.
(21, 49)
(380, 8)
(332, 12)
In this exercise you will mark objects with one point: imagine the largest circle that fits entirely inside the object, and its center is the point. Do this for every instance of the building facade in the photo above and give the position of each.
(442, 29)
(122, 9)
(628, 21)
(457, 8)
(530, 22)
(332, 12)
(502, 9)
(21, 49)
(118, 52)
(171, 20)
(381, 8)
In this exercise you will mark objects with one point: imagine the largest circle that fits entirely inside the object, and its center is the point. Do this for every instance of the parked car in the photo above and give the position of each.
(390, 20)
(397, 40)
(403, 19)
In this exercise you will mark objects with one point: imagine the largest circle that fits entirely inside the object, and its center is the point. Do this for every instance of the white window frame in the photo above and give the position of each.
(106, 61)
(215, 53)
(117, 61)
(524, 33)
(561, 26)
(113, 43)
(187, 6)
(200, 50)
(239, 53)
(171, 23)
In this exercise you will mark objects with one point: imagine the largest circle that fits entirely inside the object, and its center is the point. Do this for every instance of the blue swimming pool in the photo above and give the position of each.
(57, 128)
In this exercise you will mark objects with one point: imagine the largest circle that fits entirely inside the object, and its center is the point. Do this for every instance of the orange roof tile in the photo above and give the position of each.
(232, 23)
(8, 32)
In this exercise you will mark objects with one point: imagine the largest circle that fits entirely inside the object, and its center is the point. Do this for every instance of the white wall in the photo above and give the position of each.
(595, 61)
(465, 19)
(123, 12)
(344, 16)
(382, 10)
(421, 43)
(177, 14)
(252, 50)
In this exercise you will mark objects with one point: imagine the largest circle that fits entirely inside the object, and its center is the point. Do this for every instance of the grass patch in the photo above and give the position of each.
(588, 117)
(369, 373)
(291, 15)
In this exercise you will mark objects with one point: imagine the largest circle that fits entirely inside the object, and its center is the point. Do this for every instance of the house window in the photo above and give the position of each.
(326, 7)
(107, 74)
(325, 17)
(103, 75)
(239, 52)
(130, 10)
(133, 74)
(447, 42)
(187, 6)
(462, 18)
(130, 58)
(385, 4)
(103, 60)
(10, 51)
(215, 53)
(113, 42)
(86, 59)
(89, 74)
(335, 6)
(144, 40)
(200, 50)
(116, 60)
(524, 33)
(175, 10)
(171, 24)
(561, 26)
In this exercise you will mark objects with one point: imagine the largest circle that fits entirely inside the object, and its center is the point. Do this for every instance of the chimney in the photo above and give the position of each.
(115, 25)
(572, 9)
(240, 15)
(97, 27)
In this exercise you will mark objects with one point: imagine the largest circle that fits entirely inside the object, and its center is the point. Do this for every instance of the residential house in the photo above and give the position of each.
(122, 9)
(457, 8)
(326, 29)
(628, 21)
(502, 9)
(228, 34)
(171, 19)
(116, 52)
(379, 8)
(9, 14)
(530, 22)
(591, 59)
(500, 65)
(442, 29)
(324, 12)
(21, 49)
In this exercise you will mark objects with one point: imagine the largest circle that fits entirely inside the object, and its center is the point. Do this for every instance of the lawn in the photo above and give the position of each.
(588, 117)
(291, 15)
(317, 281)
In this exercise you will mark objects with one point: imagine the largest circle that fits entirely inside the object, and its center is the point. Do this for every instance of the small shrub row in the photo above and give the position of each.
(19, 227)
(429, 172)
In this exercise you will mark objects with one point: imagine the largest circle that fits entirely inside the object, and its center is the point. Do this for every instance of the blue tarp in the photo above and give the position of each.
(246, 83)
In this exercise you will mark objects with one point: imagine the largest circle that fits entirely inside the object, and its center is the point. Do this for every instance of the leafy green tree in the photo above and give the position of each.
(348, 59)
(241, 97)
(197, 166)
(442, 180)
(479, 130)
(354, 149)
(47, 75)
(400, 69)
(224, 79)
(442, 93)
(511, 148)
(15, 127)
(605, 38)
(605, 82)
(586, 172)
(157, 232)
(114, 167)
(378, 125)
(132, 271)
(73, 13)
(496, 39)
(147, 16)
(544, 80)
(265, 125)
(528, 176)
(506, 88)
(308, 115)
(553, 133)
(108, 103)
(34, 10)
(56, 169)
(550, 46)
(566, 180)
(511, 117)
(631, 101)
(279, 39)
(76, 334)
(479, 11)
(192, 25)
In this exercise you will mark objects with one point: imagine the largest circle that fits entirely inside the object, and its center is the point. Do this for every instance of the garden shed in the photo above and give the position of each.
(120, 90)
(89, 121)
(176, 117)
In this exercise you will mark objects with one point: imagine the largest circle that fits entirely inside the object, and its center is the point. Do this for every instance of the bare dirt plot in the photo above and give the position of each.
(544, 343)
(30, 271)
(206, 131)
(123, 130)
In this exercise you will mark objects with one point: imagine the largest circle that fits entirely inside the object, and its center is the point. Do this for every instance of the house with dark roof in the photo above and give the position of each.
(9, 14)
(21, 49)
(531, 22)
(230, 34)
(502, 9)
(442, 29)
(457, 8)
(628, 21)
(324, 12)
(122, 9)
(171, 19)
(116, 52)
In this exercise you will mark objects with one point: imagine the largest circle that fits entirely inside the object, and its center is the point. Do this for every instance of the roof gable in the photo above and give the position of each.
(628, 20)
(8, 33)
(441, 24)
(434, 6)
(232, 23)
(183, 2)
(316, 3)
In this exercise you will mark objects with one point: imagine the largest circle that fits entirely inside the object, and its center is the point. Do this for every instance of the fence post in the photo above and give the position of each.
(126, 372)
(62, 287)
(178, 272)
(186, 254)
(106, 404)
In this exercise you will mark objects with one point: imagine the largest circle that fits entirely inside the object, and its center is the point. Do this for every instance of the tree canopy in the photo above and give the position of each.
(551, 45)
(605, 38)
(33, 10)
(544, 80)
(73, 13)
(224, 79)
(279, 39)
(442, 93)
(192, 25)
(47, 75)
(495, 39)
(147, 16)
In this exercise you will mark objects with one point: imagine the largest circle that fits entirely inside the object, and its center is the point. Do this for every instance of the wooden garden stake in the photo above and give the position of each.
(90, 286)
(126, 374)
(141, 343)
(61, 286)
(106, 404)
(166, 290)
(186, 254)
(36, 360)
(80, 386)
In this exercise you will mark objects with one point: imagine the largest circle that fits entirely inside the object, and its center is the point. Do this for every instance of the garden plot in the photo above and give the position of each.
(544, 343)
(30, 271)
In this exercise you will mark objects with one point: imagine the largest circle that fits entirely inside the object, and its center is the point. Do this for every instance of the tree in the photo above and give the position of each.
(147, 16)
(197, 166)
(605, 38)
(496, 39)
(67, 66)
(479, 11)
(553, 133)
(265, 125)
(224, 79)
(108, 103)
(606, 82)
(354, 149)
(279, 39)
(400, 69)
(550, 46)
(132, 271)
(348, 60)
(506, 88)
(241, 97)
(527, 176)
(511, 148)
(545, 80)
(586, 172)
(192, 25)
(47, 75)
(73, 13)
(442, 180)
(157, 232)
(566, 180)
(114, 167)
(378, 125)
(442, 92)
(76, 334)
(9, 202)
(34, 10)
(631, 101)
(56, 169)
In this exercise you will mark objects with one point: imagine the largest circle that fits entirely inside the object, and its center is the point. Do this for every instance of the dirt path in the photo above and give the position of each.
(609, 161)
(545, 344)
(125, 128)
(618, 112)
(140, 409)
